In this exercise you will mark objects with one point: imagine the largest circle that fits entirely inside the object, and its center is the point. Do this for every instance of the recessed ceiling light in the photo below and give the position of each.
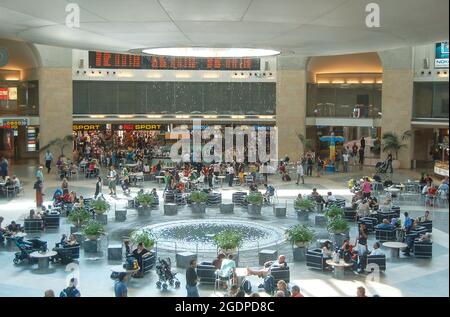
(210, 52)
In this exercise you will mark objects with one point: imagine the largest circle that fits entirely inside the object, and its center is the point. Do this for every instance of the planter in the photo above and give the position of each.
(102, 218)
(198, 208)
(92, 237)
(299, 253)
(395, 164)
(144, 211)
(302, 215)
(79, 237)
(254, 209)
(121, 215)
(90, 246)
(320, 220)
(227, 208)
(279, 211)
(170, 209)
(338, 238)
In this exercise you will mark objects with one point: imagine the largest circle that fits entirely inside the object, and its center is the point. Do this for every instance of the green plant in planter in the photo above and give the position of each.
(142, 236)
(304, 204)
(337, 225)
(79, 216)
(300, 235)
(198, 197)
(93, 229)
(334, 212)
(255, 198)
(145, 199)
(228, 240)
(100, 206)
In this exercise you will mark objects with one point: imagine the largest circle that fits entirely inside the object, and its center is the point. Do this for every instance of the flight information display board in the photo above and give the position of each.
(151, 62)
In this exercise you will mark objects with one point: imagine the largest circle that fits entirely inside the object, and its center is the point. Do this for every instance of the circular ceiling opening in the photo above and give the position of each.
(210, 52)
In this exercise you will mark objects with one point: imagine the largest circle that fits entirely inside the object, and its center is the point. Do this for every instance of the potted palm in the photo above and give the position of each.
(198, 201)
(78, 217)
(303, 207)
(255, 201)
(228, 241)
(300, 236)
(338, 229)
(392, 142)
(142, 236)
(145, 201)
(334, 212)
(92, 231)
(100, 207)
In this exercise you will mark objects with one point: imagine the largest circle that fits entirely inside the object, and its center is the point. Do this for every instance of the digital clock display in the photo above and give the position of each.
(152, 62)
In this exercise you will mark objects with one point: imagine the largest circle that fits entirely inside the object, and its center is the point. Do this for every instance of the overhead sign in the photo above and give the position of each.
(137, 127)
(129, 61)
(12, 93)
(441, 57)
(13, 123)
(88, 127)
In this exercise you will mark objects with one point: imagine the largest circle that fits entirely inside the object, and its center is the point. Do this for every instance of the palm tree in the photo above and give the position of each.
(392, 142)
(307, 143)
(61, 143)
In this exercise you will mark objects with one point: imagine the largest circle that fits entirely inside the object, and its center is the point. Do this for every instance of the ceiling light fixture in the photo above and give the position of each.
(210, 52)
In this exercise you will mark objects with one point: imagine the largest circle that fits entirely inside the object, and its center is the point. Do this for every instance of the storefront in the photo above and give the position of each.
(19, 138)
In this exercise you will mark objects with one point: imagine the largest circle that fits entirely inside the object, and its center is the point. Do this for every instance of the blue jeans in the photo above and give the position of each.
(192, 291)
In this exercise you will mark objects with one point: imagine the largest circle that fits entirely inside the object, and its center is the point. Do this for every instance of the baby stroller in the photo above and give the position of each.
(166, 275)
(26, 248)
(381, 167)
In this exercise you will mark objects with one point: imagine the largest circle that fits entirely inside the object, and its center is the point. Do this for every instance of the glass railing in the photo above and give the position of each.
(330, 110)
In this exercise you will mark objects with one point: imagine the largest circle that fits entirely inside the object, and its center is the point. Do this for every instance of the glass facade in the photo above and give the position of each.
(344, 100)
(19, 98)
(430, 100)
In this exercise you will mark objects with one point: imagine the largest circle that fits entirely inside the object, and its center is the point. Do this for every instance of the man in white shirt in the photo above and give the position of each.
(16, 182)
(300, 173)
(230, 171)
(330, 199)
(112, 178)
(345, 158)
(376, 249)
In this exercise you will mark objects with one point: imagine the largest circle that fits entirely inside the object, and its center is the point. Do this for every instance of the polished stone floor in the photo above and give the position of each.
(407, 276)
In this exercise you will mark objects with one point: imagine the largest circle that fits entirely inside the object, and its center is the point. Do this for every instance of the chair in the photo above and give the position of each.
(384, 235)
(33, 225)
(51, 221)
(428, 225)
(281, 273)
(423, 249)
(315, 259)
(67, 254)
(11, 191)
(379, 260)
(206, 273)
(349, 214)
(370, 223)
(148, 262)
(248, 180)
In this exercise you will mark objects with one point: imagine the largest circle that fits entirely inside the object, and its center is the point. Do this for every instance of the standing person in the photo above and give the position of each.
(366, 188)
(363, 143)
(38, 186)
(361, 158)
(320, 164)
(389, 163)
(354, 153)
(112, 178)
(98, 187)
(300, 173)
(230, 171)
(309, 163)
(39, 174)
(361, 240)
(337, 162)
(345, 158)
(191, 279)
(48, 161)
(4, 165)
(120, 288)
(71, 290)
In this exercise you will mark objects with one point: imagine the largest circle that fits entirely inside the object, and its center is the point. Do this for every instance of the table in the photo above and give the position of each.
(221, 178)
(121, 269)
(158, 178)
(43, 258)
(395, 248)
(339, 268)
(393, 189)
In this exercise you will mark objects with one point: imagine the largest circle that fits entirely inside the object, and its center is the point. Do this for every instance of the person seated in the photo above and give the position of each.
(363, 210)
(426, 217)
(154, 193)
(373, 203)
(327, 250)
(234, 289)
(228, 269)
(346, 251)
(282, 286)
(330, 199)
(376, 250)
(425, 237)
(270, 192)
(385, 225)
(395, 223)
(68, 242)
(34, 215)
(3, 231)
(280, 263)
(13, 228)
(279, 294)
(357, 199)
(253, 188)
(431, 194)
(217, 262)
(138, 253)
(295, 290)
(8, 182)
(79, 203)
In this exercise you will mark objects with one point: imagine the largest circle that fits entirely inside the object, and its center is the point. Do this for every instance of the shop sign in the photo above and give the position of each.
(13, 123)
(3, 93)
(88, 127)
(138, 127)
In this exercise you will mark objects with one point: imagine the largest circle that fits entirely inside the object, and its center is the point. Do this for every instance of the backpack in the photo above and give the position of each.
(269, 284)
(246, 286)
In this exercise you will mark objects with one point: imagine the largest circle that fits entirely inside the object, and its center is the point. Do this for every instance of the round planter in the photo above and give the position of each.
(198, 208)
(144, 211)
(254, 209)
(299, 253)
(102, 218)
(302, 215)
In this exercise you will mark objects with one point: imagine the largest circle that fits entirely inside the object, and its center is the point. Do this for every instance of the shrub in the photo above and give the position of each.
(145, 199)
(304, 204)
(100, 206)
(337, 225)
(93, 228)
(334, 212)
(198, 197)
(228, 239)
(255, 198)
(300, 234)
(142, 236)
(79, 217)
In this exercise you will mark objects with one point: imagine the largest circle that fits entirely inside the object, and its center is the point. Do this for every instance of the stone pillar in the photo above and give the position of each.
(55, 108)
(291, 105)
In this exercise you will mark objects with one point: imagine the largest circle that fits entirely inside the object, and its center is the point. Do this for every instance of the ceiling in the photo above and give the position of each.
(305, 27)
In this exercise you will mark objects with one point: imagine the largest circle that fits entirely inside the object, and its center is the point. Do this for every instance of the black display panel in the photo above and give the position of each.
(129, 61)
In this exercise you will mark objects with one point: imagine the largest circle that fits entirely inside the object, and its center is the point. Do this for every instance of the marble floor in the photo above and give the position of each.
(407, 276)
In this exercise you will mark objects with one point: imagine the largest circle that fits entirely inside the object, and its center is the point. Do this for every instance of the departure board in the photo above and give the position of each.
(130, 61)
